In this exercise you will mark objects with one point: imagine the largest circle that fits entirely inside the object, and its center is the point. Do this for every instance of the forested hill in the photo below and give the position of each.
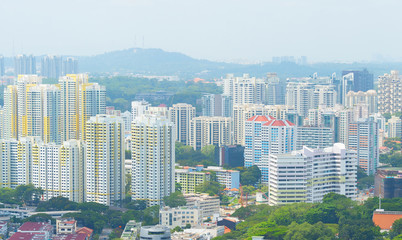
(159, 62)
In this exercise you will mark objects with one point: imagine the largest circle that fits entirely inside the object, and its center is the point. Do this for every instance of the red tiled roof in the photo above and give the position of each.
(26, 236)
(290, 123)
(35, 226)
(385, 219)
(227, 230)
(85, 230)
(260, 118)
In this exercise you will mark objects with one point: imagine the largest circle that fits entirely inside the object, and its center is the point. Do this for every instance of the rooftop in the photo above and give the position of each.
(35, 227)
(385, 219)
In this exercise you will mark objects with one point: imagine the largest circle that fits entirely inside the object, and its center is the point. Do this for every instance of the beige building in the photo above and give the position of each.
(66, 226)
(180, 217)
(181, 115)
(189, 179)
(368, 98)
(210, 131)
(209, 205)
(390, 93)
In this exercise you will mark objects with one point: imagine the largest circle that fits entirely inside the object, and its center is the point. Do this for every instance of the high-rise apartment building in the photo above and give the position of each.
(369, 98)
(10, 113)
(58, 169)
(305, 96)
(43, 112)
(24, 82)
(189, 179)
(153, 159)
(205, 131)
(390, 93)
(264, 136)
(395, 127)
(242, 112)
(217, 105)
(24, 64)
(70, 66)
(181, 115)
(9, 163)
(275, 90)
(51, 66)
(244, 89)
(138, 108)
(307, 175)
(314, 137)
(363, 138)
(104, 163)
(79, 100)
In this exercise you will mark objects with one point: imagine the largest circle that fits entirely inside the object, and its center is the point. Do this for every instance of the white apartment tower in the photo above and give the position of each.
(138, 108)
(210, 131)
(390, 93)
(104, 163)
(181, 115)
(244, 89)
(307, 175)
(153, 159)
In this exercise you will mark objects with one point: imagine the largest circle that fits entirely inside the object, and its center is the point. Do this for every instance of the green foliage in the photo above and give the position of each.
(211, 187)
(363, 180)
(187, 156)
(249, 176)
(22, 194)
(393, 160)
(177, 187)
(306, 231)
(116, 233)
(396, 228)
(176, 229)
(121, 90)
(136, 205)
(175, 199)
(57, 204)
(40, 217)
(336, 214)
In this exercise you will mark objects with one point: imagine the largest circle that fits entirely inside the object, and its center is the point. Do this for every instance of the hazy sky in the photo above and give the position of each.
(322, 30)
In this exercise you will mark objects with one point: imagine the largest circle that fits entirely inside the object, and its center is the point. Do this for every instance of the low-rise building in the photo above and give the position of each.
(155, 233)
(3, 228)
(388, 183)
(208, 205)
(189, 179)
(131, 230)
(385, 219)
(66, 226)
(229, 178)
(35, 230)
(180, 217)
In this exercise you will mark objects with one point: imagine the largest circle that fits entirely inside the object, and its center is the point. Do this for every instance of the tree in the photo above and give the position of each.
(210, 187)
(250, 176)
(40, 217)
(306, 231)
(176, 229)
(127, 154)
(57, 204)
(137, 205)
(396, 228)
(175, 199)
(177, 187)
(357, 229)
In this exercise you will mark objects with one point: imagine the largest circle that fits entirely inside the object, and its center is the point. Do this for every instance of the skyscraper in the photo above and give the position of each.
(217, 105)
(362, 80)
(10, 112)
(24, 64)
(51, 66)
(181, 114)
(275, 90)
(104, 164)
(70, 66)
(394, 127)
(138, 108)
(363, 138)
(153, 159)
(370, 98)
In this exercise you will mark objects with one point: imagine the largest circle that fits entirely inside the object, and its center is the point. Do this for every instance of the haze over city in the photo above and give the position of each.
(229, 30)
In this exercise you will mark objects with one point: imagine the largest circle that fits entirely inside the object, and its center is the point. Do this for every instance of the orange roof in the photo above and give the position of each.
(235, 189)
(85, 230)
(385, 219)
(227, 230)
(383, 148)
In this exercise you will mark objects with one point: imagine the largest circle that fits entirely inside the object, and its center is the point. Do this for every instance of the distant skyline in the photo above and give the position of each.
(223, 30)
